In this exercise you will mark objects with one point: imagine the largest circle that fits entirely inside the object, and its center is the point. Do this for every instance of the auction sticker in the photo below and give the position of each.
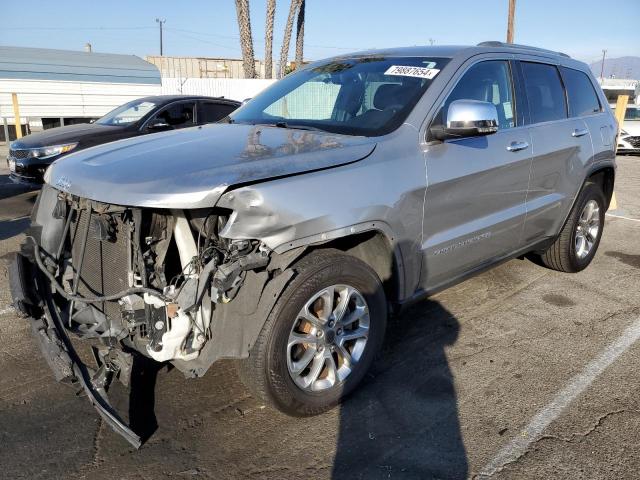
(418, 72)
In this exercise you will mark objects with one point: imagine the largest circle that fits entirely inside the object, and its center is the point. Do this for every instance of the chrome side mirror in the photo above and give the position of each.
(467, 118)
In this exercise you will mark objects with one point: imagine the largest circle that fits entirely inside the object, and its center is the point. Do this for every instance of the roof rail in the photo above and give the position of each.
(494, 43)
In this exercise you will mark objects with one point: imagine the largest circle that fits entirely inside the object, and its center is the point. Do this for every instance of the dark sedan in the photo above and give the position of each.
(30, 156)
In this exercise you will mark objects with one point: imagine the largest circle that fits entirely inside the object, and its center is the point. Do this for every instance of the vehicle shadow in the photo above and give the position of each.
(13, 227)
(402, 422)
(9, 189)
(136, 403)
(142, 393)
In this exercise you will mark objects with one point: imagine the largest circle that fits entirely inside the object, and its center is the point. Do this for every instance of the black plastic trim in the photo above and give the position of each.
(56, 346)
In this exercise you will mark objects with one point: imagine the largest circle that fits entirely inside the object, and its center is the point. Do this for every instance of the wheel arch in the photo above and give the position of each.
(604, 176)
(376, 249)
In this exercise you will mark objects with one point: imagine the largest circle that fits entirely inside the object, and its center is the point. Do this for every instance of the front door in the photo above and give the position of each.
(476, 187)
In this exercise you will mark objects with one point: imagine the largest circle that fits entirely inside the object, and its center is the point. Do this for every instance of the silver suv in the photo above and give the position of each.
(284, 236)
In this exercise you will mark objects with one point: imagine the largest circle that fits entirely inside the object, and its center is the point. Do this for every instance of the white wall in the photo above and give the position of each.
(42, 98)
(233, 88)
(46, 98)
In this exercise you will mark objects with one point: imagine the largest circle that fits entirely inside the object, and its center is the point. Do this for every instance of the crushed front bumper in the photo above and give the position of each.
(26, 285)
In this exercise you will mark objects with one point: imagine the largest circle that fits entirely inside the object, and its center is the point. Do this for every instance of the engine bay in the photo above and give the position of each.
(147, 279)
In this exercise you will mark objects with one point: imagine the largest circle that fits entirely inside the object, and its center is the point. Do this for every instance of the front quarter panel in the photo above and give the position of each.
(384, 192)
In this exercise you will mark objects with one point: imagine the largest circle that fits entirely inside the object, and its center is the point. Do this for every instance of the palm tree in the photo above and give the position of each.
(268, 41)
(284, 53)
(246, 41)
(300, 35)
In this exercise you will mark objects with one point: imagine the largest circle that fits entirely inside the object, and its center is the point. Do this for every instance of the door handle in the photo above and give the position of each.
(517, 146)
(579, 132)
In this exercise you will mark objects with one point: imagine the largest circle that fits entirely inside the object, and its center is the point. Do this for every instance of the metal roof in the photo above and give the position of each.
(453, 50)
(68, 65)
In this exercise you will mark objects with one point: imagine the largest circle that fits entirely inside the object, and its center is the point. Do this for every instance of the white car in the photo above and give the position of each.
(629, 140)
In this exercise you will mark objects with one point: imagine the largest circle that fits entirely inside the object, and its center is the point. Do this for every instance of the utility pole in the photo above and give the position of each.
(604, 54)
(160, 23)
(512, 14)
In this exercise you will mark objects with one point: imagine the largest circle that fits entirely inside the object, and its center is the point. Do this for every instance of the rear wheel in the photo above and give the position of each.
(576, 246)
(321, 337)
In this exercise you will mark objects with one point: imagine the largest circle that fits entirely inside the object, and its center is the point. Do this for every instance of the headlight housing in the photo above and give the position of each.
(623, 132)
(52, 151)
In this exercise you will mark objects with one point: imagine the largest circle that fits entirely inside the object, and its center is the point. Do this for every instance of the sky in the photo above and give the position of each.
(581, 28)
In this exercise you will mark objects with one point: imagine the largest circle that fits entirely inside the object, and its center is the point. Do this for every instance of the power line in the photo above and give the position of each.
(77, 28)
(237, 37)
(173, 31)
(180, 32)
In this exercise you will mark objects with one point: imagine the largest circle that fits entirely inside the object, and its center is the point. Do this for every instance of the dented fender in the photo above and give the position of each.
(321, 206)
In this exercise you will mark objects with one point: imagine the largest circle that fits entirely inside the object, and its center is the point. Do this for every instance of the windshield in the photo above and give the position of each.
(367, 96)
(128, 113)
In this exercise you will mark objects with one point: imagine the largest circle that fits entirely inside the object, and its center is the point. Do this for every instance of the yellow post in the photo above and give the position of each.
(16, 115)
(621, 109)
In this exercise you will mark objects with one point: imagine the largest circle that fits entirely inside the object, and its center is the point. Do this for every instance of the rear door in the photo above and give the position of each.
(476, 193)
(584, 103)
(561, 149)
(211, 112)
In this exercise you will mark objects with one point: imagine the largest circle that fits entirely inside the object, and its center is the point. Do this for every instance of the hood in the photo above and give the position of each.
(191, 168)
(66, 134)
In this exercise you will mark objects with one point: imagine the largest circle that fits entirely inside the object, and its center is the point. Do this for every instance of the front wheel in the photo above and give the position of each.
(321, 337)
(576, 246)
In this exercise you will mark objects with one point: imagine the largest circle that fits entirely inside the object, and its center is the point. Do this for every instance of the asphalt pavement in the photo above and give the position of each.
(520, 372)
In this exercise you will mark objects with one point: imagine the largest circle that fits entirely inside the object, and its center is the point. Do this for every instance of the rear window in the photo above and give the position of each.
(212, 112)
(545, 92)
(583, 99)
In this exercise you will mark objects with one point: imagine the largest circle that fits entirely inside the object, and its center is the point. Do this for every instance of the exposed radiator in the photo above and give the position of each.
(105, 269)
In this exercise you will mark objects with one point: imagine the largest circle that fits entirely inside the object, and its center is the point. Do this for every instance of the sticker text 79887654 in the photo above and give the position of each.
(407, 71)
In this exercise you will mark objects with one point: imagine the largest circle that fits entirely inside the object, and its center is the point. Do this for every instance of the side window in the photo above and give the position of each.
(583, 99)
(211, 112)
(544, 90)
(488, 81)
(178, 115)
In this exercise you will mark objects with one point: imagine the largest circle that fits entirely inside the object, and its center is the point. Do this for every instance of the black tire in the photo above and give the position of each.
(265, 372)
(561, 256)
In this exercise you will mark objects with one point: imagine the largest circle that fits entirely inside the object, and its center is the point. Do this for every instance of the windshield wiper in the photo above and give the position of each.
(297, 127)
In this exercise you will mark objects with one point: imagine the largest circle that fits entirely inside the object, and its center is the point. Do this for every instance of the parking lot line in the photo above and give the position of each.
(578, 384)
(623, 217)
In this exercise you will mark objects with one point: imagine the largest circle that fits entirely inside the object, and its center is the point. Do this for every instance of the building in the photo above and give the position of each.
(204, 67)
(58, 87)
(613, 87)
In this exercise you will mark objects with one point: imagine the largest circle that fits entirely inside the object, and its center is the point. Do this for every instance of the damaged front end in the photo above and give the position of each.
(140, 281)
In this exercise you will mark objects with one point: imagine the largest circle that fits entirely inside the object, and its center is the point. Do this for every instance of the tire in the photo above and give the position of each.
(266, 372)
(564, 255)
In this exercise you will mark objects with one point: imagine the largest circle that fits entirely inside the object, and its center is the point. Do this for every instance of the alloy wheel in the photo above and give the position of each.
(328, 338)
(587, 229)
